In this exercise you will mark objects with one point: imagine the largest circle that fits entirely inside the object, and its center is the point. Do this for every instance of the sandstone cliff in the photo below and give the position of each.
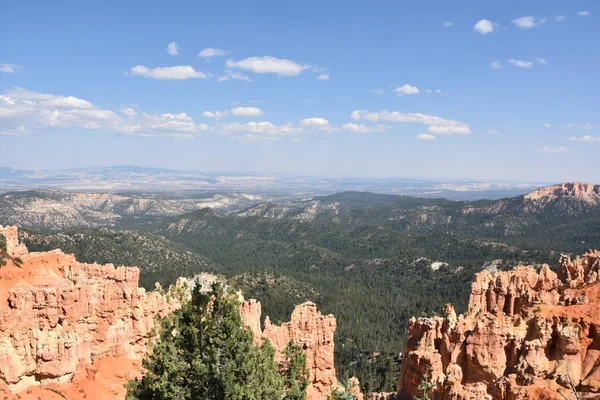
(75, 330)
(64, 321)
(311, 330)
(525, 335)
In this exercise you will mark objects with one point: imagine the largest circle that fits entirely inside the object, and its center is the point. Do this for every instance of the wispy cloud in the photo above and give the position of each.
(378, 91)
(525, 22)
(437, 125)
(492, 132)
(520, 63)
(547, 125)
(584, 13)
(210, 52)
(9, 68)
(582, 126)
(173, 49)
(361, 128)
(548, 149)
(235, 75)
(406, 89)
(215, 114)
(269, 65)
(426, 136)
(586, 138)
(560, 18)
(484, 27)
(541, 61)
(246, 112)
(496, 64)
(447, 24)
(323, 77)
(167, 73)
(22, 111)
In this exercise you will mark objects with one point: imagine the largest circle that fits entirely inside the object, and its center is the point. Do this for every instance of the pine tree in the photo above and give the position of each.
(294, 372)
(205, 352)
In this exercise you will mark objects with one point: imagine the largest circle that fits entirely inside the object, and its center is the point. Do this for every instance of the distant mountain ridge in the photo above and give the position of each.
(135, 178)
(54, 210)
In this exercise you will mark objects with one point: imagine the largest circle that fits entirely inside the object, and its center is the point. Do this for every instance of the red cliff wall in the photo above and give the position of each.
(523, 333)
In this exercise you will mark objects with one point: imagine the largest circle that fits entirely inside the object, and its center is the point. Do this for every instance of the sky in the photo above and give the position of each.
(447, 89)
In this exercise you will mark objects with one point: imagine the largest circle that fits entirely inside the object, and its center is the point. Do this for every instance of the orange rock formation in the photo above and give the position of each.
(525, 335)
(75, 330)
(311, 330)
(70, 325)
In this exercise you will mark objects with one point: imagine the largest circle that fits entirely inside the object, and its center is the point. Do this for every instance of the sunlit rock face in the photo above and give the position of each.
(59, 317)
(526, 334)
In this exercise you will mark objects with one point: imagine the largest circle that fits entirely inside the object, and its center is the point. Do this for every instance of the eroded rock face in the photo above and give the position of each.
(312, 331)
(75, 330)
(523, 333)
(15, 249)
(59, 316)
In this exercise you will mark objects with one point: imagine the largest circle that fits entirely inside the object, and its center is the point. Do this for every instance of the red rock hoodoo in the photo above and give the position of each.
(75, 330)
(525, 335)
(311, 330)
(72, 325)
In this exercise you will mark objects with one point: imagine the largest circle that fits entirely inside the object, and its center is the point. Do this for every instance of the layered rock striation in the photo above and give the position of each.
(58, 317)
(76, 330)
(526, 335)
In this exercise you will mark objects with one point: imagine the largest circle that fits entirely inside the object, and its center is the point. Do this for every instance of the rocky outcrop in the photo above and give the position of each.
(76, 330)
(13, 247)
(59, 317)
(525, 335)
(309, 329)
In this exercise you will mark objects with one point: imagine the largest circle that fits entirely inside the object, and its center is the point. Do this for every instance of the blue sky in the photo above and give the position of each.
(462, 89)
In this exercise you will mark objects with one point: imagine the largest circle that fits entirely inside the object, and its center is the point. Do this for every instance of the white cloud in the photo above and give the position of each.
(323, 77)
(229, 74)
(314, 122)
(584, 13)
(268, 64)
(165, 73)
(541, 61)
(406, 89)
(560, 18)
(378, 91)
(9, 68)
(520, 63)
(361, 128)
(484, 27)
(447, 24)
(528, 22)
(255, 131)
(209, 52)
(22, 111)
(449, 130)
(547, 125)
(547, 149)
(426, 136)
(172, 49)
(215, 114)
(496, 64)
(438, 125)
(586, 138)
(130, 112)
(493, 132)
(246, 112)
(582, 126)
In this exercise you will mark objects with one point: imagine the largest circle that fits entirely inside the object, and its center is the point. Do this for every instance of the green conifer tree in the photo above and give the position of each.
(205, 352)
(294, 372)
